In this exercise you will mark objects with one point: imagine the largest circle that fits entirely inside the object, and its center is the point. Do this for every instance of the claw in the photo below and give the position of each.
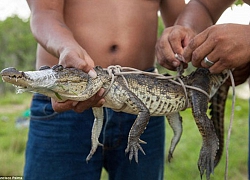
(207, 159)
(141, 150)
(92, 152)
(133, 148)
(170, 156)
(142, 142)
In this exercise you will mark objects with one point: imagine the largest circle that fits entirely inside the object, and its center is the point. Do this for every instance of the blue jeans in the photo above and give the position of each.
(58, 144)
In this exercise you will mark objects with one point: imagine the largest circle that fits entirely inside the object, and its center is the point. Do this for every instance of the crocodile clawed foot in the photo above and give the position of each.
(92, 151)
(205, 163)
(206, 159)
(133, 147)
(170, 156)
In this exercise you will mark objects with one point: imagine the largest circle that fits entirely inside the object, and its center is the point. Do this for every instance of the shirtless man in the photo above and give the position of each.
(82, 34)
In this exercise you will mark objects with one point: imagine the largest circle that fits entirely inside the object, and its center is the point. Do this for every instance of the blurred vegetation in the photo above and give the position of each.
(13, 139)
(238, 2)
(17, 47)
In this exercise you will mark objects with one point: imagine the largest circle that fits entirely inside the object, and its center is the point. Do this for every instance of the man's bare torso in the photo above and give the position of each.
(112, 32)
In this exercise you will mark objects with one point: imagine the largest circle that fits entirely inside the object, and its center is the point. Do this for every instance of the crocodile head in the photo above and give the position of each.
(57, 82)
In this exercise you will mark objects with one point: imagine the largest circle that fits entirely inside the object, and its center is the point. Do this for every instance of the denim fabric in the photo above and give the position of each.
(58, 144)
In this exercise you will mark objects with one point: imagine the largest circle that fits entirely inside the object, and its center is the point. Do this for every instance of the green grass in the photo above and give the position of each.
(183, 165)
(12, 139)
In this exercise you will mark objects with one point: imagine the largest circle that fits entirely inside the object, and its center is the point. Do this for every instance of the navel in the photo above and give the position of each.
(113, 48)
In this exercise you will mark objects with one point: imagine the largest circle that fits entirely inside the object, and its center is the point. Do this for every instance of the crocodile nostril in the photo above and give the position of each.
(57, 67)
(43, 68)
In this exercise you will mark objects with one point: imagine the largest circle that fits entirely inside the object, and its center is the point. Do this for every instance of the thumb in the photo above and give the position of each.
(92, 73)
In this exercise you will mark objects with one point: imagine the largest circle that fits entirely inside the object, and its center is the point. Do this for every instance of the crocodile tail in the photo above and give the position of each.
(217, 112)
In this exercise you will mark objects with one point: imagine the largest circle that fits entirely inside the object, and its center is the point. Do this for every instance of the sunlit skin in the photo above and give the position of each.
(83, 34)
(196, 37)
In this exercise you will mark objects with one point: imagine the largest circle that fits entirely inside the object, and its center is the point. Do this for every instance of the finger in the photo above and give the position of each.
(95, 101)
(80, 61)
(83, 105)
(88, 65)
(197, 49)
(188, 50)
(206, 62)
(179, 38)
(165, 56)
(80, 64)
(172, 42)
(100, 103)
(218, 67)
(62, 106)
(175, 41)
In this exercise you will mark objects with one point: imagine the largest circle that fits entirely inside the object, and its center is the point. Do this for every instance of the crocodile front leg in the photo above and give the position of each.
(96, 130)
(199, 103)
(138, 127)
(175, 122)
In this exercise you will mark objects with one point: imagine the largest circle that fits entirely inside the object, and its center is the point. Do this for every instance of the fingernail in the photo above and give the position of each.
(179, 57)
(212, 71)
(74, 103)
(102, 101)
(92, 73)
(101, 92)
(175, 64)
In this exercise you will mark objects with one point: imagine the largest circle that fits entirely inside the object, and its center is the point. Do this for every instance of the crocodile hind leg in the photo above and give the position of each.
(96, 130)
(199, 103)
(175, 122)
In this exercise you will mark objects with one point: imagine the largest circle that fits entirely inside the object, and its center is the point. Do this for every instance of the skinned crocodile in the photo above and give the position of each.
(140, 94)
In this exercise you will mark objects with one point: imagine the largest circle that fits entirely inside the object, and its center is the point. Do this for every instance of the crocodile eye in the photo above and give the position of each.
(43, 68)
(57, 67)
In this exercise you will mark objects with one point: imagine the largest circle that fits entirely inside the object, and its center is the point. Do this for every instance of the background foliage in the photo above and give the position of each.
(238, 2)
(17, 47)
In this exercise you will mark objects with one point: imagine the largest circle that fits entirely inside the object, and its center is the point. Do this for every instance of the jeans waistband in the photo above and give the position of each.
(41, 97)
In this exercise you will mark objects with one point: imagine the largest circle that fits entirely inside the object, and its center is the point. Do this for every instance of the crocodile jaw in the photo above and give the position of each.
(58, 85)
(26, 81)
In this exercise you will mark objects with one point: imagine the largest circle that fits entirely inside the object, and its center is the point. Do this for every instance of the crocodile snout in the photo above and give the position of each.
(12, 73)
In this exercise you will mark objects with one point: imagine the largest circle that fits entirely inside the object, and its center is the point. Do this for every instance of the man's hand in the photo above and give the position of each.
(240, 74)
(77, 57)
(225, 45)
(172, 42)
(79, 106)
